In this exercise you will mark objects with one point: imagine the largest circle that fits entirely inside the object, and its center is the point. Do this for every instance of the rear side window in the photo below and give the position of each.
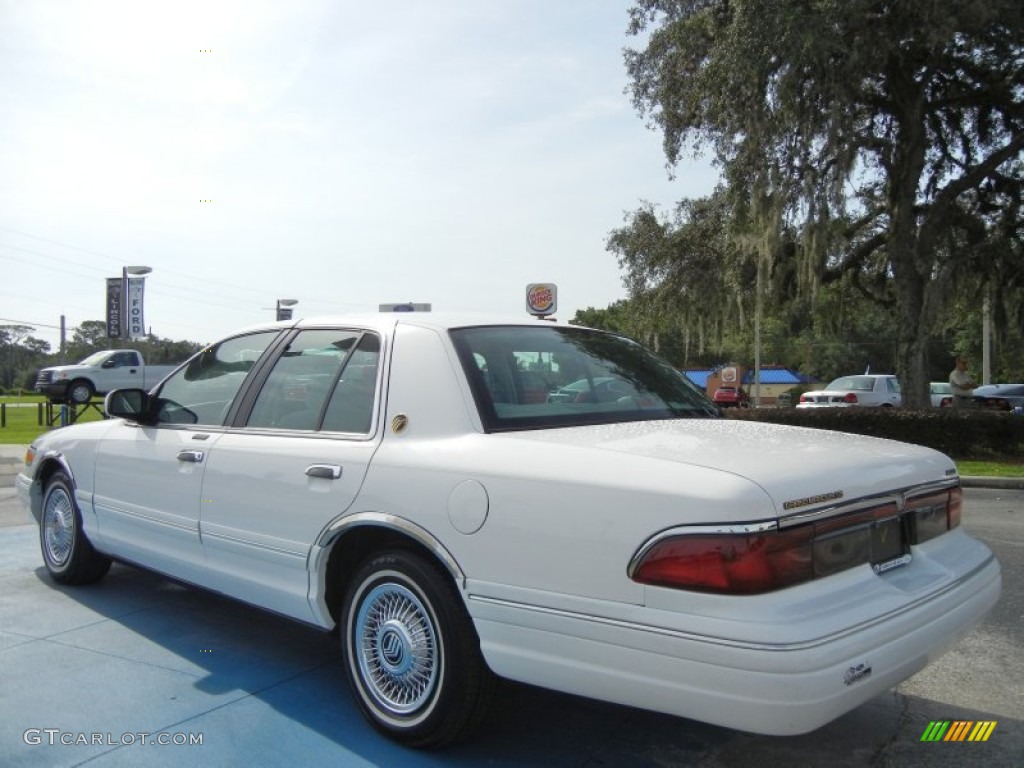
(350, 408)
(324, 379)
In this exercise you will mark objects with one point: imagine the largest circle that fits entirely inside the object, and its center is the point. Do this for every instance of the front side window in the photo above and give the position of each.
(202, 391)
(324, 379)
(532, 378)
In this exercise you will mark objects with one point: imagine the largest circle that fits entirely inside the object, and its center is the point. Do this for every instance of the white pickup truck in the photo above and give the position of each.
(98, 374)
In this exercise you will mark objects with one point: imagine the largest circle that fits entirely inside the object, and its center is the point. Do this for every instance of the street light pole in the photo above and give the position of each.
(284, 306)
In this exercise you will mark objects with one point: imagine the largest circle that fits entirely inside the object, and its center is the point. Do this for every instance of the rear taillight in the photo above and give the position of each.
(758, 558)
(734, 563)
(850, 398)
(804, 399)
(933, 515)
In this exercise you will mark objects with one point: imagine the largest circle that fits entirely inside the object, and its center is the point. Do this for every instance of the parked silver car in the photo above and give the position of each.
(1000, 397)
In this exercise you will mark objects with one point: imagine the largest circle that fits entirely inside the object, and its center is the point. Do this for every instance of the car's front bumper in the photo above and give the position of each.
(25, 488)
(55, 390)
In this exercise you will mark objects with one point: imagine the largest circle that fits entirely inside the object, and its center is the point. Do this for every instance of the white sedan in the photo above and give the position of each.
(401, 479)
(941, 394)
(869, 389)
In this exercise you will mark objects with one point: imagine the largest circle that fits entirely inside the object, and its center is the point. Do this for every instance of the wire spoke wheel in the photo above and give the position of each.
(412, 656)
(67, 553)
(58, 526)
(398, 649)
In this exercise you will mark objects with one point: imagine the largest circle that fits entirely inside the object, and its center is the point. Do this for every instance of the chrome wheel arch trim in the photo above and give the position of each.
(36, 492)
(321, 551)
(384, 520)
(60, 459)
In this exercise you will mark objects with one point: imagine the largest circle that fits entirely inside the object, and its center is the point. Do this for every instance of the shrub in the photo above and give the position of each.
(961, 434)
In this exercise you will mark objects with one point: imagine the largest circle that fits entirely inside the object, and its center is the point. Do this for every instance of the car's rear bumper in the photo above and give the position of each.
(779, 688)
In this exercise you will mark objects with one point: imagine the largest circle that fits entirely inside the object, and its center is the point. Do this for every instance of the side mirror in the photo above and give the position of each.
(130, 404)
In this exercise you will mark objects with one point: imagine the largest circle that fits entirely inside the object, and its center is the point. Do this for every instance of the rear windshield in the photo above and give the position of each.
(535, 378)
(860, 383)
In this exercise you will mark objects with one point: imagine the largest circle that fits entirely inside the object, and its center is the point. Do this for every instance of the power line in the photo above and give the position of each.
(28, 322)
(102, 273)
(192, 279)
(113, 260)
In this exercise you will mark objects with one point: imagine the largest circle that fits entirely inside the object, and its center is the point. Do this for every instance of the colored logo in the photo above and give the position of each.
(541, 298)
(958, 730)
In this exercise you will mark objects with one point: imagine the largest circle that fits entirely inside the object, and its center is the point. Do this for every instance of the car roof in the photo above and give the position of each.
(868, 376)
(384, 322)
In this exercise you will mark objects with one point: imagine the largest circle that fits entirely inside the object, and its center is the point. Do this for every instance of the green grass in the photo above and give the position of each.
(991, 468)
(22, 399)
(21, 424)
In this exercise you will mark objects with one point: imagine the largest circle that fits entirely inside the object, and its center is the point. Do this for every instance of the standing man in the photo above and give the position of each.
(962, 384)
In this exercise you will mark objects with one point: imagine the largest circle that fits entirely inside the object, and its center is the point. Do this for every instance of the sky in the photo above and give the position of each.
(342, 154)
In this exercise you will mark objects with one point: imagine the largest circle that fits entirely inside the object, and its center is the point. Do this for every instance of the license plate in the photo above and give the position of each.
(888, 549)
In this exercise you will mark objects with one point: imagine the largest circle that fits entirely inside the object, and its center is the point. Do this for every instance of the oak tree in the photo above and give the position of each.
(888, 134)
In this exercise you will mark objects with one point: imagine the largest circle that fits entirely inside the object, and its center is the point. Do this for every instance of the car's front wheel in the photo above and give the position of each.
(67, 553)
(412, 657)
(80, 391)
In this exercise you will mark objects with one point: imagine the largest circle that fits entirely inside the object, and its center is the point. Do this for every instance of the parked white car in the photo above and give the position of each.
(869, 389)
(941, 394)
(99, 373)
(391, 477)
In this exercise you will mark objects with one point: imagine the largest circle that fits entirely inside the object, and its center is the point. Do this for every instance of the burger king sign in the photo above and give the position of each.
(542, 299)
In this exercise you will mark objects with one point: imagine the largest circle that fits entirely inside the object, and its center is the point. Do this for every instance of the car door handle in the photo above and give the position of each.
(194, 456)
(327, 471)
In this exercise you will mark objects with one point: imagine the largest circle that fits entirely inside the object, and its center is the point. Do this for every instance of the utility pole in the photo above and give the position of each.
(757, 336)
(986, 339)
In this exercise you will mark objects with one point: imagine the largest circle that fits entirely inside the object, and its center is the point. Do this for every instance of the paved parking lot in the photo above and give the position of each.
(119, 667)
